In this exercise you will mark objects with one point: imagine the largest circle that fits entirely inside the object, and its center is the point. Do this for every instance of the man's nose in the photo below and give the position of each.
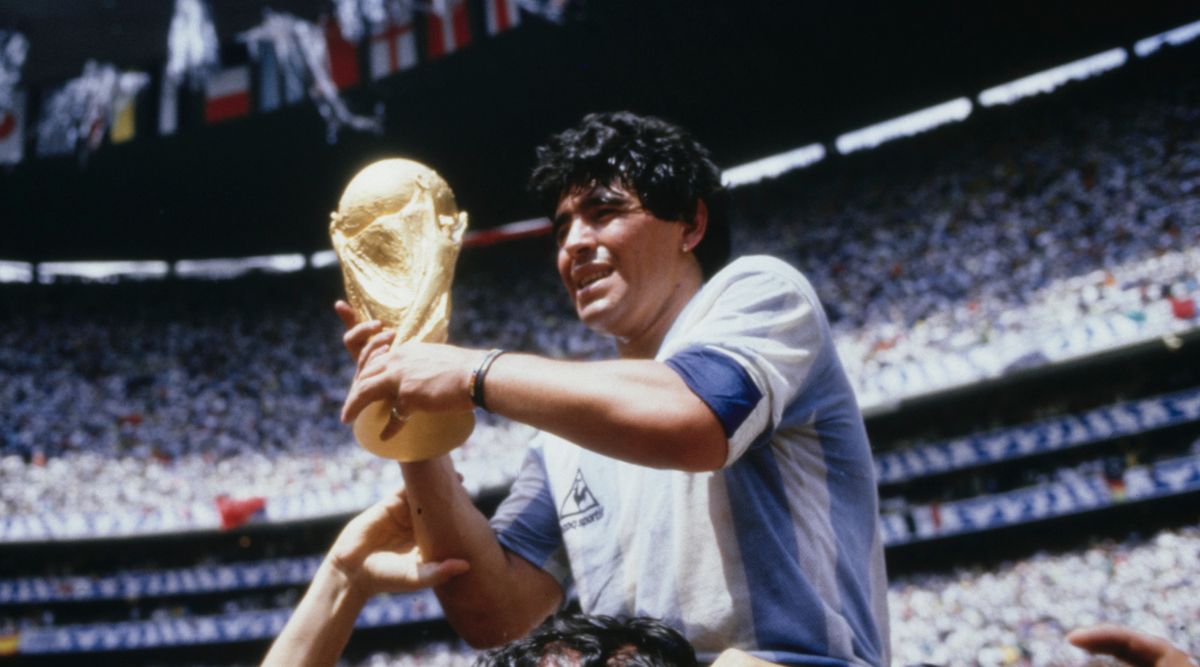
(580, 238)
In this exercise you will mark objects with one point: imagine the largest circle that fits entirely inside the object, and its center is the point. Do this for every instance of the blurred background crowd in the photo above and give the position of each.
(1013, 295)
(1033, 247)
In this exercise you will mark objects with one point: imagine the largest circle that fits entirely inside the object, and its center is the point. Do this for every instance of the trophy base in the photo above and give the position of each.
(424, 436)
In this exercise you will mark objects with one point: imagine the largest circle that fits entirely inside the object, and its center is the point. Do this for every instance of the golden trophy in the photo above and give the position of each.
(397, 233)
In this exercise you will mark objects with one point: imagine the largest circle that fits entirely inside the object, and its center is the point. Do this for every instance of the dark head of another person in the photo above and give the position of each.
(580, 640)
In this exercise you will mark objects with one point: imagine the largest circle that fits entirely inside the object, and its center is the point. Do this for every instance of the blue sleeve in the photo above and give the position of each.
(526, 522)
(747, 345)
(719, 381)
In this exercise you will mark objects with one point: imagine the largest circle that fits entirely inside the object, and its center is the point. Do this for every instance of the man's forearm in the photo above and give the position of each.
(502, 597)
(636, 410)
(319, 628)
(639, 411)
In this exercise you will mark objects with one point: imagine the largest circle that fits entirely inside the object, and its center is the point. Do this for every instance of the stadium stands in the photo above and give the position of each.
(1048, 435)
(130, 409)
(169, 396)
(167, 630)
(1017, 614)
(1013, 614)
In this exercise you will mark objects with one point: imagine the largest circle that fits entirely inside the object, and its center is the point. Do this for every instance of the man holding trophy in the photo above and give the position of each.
(716, 475)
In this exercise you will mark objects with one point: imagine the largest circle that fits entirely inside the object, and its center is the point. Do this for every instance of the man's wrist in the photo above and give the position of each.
(475, 385)
(347, 584)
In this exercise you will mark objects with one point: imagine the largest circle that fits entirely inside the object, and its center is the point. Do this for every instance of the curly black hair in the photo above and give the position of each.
(660, 162)
(581, 640)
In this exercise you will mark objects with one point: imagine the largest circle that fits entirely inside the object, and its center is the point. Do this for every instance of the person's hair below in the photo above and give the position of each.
(580, 640)
(660, 162)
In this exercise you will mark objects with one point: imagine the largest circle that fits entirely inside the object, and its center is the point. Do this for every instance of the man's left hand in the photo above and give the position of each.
(411, 377)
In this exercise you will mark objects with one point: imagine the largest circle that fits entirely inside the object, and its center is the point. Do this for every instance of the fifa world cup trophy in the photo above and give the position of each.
(397, 232)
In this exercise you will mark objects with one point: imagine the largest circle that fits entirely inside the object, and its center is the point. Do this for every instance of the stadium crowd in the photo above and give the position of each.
(1039, 245)
(1017, 614)
(965, 267)
(1014, 614)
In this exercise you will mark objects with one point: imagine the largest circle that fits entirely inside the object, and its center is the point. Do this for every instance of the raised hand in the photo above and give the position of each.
(377, 552)
(1136, 648)
(425, 377)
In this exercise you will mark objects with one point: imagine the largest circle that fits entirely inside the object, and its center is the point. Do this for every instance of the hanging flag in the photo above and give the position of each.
(501, 15)
(192, 54)
(180, 105)
(123, 125)
(122, 128)
(236, 512)
(12, 129)
(75, 118)
(277, 85)
(274, 45)
(449, 27)
(270, 95)
(227, 94)
(193, 50)
(317, 58)
(343, 57)
(393, 44)
(14, 48)
(168, 105)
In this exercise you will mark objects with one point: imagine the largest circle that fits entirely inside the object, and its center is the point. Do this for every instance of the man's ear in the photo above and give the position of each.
(695, 228)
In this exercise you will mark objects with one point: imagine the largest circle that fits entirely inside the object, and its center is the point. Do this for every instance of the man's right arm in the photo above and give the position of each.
(503, 596)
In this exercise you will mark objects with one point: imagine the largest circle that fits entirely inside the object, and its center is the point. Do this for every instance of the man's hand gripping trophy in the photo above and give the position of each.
(397, 232)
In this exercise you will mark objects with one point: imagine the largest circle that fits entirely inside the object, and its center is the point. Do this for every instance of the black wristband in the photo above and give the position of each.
(478, 375)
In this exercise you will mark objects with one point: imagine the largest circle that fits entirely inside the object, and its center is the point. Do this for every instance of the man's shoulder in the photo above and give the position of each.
(758, 282)
(755, 300)
(761, 274)
(751, 265)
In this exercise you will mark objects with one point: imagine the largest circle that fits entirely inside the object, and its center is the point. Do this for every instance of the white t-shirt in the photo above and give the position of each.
(778, 553)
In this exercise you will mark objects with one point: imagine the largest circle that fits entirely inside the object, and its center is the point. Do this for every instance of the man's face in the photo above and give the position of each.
(621, 265)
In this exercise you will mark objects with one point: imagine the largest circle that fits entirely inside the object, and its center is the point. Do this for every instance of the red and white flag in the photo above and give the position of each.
(343, 56)
(449, 27)
(394, 44)
(12, 129)
(501, 15)
(227, 94)
(236, 512)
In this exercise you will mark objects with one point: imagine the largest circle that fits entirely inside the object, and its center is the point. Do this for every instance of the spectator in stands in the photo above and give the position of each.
(728, 400)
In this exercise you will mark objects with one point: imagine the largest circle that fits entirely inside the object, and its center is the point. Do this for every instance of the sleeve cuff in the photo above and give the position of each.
(727, 388)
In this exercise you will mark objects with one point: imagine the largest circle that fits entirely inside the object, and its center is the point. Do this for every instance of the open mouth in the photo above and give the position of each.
(593, 278)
